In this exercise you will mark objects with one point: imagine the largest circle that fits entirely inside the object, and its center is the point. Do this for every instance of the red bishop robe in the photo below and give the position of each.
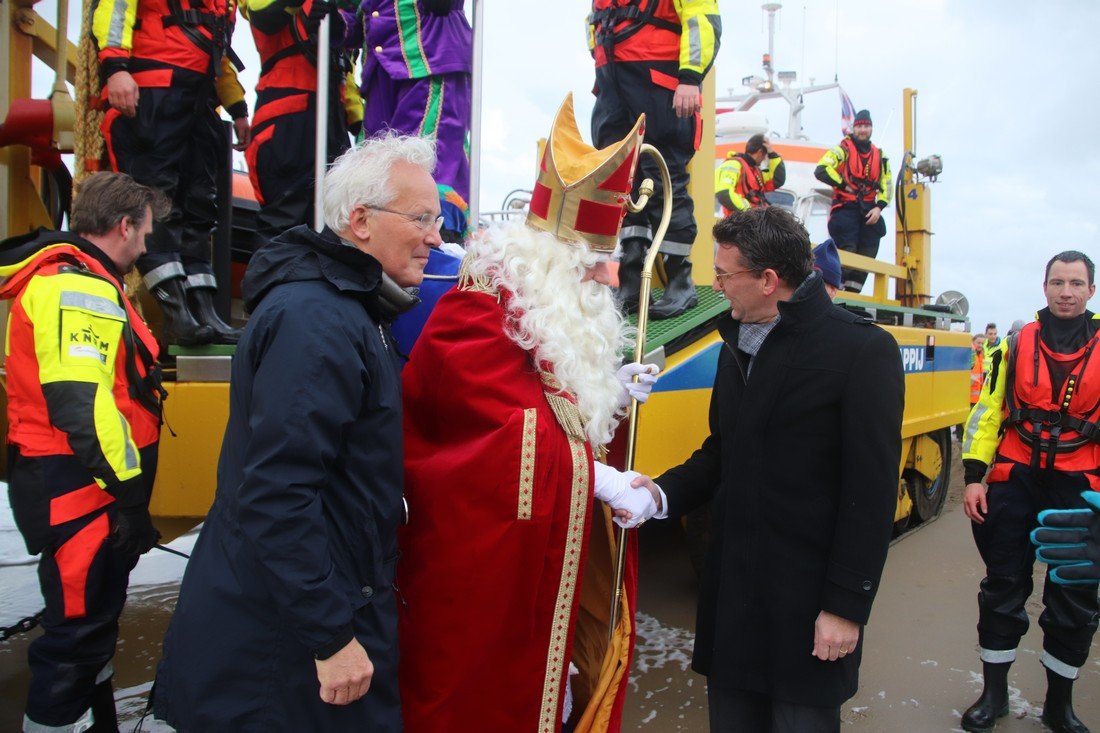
(499, 484)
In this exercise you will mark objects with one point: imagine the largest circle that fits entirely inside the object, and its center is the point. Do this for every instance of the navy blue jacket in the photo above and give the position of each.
(297, 553)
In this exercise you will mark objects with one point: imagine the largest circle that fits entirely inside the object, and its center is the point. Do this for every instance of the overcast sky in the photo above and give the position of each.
(1007, 97)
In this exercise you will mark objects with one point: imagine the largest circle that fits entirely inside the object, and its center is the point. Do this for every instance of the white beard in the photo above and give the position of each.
(571, 326)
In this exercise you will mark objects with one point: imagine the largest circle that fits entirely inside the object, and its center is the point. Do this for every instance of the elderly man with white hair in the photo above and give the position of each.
(511, 394)
(287, 616)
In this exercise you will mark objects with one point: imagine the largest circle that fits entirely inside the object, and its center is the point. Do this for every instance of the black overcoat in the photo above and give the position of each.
(297, 553)
(802, 464)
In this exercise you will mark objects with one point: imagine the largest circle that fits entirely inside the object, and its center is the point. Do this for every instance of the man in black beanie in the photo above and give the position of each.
(860, 176)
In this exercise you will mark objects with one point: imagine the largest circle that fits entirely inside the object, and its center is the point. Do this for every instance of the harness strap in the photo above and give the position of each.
(605, 21)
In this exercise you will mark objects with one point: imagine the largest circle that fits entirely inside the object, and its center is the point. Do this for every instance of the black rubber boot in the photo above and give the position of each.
(982, 715)
(202, 304)
(180, 327)
(103, 709)
(680, 293)
(630, 274)
(1058, 708)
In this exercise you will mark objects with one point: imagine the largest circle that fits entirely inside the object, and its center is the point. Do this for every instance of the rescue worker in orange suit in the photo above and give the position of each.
(651, 57)
(862, 187)
(740, 183)
(1036, 424)
(84, 415)
(281, 153)
(165, 70)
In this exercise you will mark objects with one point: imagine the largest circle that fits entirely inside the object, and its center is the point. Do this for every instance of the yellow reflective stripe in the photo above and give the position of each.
(115, 438)
(698, 40)
(95, 304)
(113, 23)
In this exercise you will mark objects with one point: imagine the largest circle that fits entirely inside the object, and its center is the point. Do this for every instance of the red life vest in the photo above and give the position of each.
(1049, 426)
(751, 184)
(195, 37)
(635, 30)
(862, 172)
(288, 57)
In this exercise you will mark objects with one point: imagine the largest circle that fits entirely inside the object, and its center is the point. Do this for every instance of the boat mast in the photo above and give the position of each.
(766, 88)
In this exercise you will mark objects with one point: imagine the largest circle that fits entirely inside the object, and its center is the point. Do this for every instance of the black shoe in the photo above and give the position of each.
(180, 327)
(630, 274)
(680, 295)
(202, 301)
(103, 708)
(982, 716)
(1058, 708)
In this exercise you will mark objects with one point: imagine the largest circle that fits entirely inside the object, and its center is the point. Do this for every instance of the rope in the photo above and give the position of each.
(88, 142)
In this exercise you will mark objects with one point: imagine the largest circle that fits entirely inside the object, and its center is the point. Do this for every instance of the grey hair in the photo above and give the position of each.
(361, 176)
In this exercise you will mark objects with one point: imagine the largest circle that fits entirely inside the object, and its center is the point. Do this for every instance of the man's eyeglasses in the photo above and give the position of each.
(427, 222)
(720, 276)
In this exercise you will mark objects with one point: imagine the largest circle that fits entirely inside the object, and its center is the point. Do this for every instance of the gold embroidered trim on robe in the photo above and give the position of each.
(556, 660)
(527, 464)
(568, 416)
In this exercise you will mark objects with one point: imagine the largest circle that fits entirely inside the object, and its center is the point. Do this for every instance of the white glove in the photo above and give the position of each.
(647, 377)
(613, 487)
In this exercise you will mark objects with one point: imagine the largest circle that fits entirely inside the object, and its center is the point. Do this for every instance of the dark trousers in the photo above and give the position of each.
(849, 231)
(62, 513)
(1070, 613)
(282, 152)
(175, 144)
(624, 91)
(742, 711)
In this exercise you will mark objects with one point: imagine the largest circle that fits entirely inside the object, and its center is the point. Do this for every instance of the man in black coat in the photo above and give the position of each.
(287, 614)
(802, 467)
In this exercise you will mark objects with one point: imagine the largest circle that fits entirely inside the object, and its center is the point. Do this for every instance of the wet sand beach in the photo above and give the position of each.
(920, 666)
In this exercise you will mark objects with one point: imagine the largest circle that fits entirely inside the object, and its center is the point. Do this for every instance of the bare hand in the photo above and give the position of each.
(974, 502)
(345, 676)
(687, 100)
(647, 482)
(873, 216)
(243, 130)
(123, 93)
(834, 637)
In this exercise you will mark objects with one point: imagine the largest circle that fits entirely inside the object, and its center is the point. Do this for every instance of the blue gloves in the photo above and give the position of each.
(1069, 541)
